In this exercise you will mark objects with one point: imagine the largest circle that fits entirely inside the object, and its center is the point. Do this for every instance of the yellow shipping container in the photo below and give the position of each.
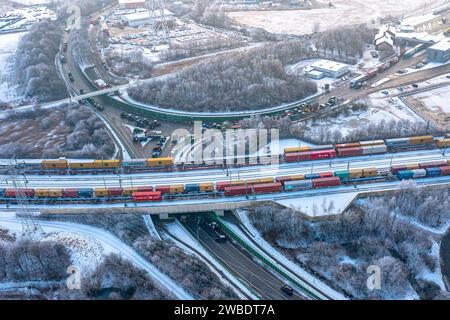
(160, 162)
(260, 181)
(177, 189)
(297, 177)
(41, 193)
(356, 173)
(443, 143)
(294, 150)
(370, 172)
(54, 164)
(128, 192)
(101, 192)
(422, 139)
(413, 166)
(206, 187)
(81, 165)
(105, 164)
(55, 193)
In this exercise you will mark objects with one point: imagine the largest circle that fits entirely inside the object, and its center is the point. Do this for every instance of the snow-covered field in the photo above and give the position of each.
(436, 100)
(319, 206)
(344, 12)
(8, 46)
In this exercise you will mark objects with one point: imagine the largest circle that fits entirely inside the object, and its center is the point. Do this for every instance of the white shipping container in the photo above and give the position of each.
(420, 173)
(374, 149)
(371, 143)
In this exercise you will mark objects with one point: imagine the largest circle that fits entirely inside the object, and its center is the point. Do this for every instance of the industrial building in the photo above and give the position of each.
(331, 69)
(314, 74)
(440, 52)
(131, 4)
(143, 17)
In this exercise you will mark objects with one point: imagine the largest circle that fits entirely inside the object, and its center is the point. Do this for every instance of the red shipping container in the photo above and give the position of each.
(144, 189)
(115, 192)
(147, 196)
(221, 186)
(13, 193)
(326, 182)
(310, 155)
(326, 174)
(434, 164)
(237, 191)
(445, 171)
(163, 189)
(350, 152)
(267, 188)
(70, 193)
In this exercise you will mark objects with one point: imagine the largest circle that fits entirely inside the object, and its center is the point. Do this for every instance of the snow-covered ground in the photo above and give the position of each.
(87, 238)
(344, 12)
(436, 100)
(320, 206)
(8, 45)
(29, 16)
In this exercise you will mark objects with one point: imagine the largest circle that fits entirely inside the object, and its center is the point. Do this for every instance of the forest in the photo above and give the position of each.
(35, 63)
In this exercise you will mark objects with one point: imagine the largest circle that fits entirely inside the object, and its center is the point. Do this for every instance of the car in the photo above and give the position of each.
(385, 92)
(415, 85)
(63, 59)
(71, 78)
(374, 54)
(288, 290)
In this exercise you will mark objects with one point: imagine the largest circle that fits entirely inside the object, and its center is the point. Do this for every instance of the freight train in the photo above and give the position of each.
(362, 148)
(246, 188)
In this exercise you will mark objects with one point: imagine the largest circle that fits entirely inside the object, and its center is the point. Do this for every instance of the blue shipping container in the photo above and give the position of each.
(192, 188)
(312, 176)
(85, 193)
(405, 174)
(2, 192)
(433, 172)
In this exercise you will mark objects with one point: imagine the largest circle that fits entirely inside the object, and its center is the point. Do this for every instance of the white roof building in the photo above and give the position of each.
(130, 4)
(331, 68)
(143, 17)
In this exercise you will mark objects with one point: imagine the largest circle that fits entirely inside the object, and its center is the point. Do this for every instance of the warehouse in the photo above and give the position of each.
(331, 68)
(131, 4)
(440, 52)
(143, 17)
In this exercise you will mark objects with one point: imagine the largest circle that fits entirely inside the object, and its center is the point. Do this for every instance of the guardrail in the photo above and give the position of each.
(266, 261)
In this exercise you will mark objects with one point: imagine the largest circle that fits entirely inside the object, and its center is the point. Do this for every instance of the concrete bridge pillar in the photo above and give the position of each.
(164, 216)
(220, 213)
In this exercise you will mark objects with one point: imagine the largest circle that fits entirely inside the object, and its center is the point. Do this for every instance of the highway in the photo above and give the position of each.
(382, 162)
(261, 281)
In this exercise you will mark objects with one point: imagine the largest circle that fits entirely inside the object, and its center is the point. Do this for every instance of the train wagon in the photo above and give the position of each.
(326, 182)
(443, 143)
(259, 181)
(421, 140)
(15, 193)
(128, 191)
(308, 148)
(75, 165)
(412, 174)
(134, 164)
(159, 162)
(177, 189)
(48, 193)
(107, 164)
(147, 196)
(298, 185)
(163, 189)
(396, 169)
(55, 164)
(267, 188)
(2, 192)
(285, 179)
(310, 156)
(371, 143)
(78, 193)
(206, 187)
(221, 186)
(425, 165)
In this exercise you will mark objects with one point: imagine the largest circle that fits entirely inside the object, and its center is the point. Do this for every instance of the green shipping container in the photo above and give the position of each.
(342, 174)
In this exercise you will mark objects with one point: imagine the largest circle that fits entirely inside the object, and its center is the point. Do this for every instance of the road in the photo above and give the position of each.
(107, 240)
(382, 161)
(254, 275)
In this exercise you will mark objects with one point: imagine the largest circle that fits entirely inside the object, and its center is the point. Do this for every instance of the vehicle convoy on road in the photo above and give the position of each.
(290, 155)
